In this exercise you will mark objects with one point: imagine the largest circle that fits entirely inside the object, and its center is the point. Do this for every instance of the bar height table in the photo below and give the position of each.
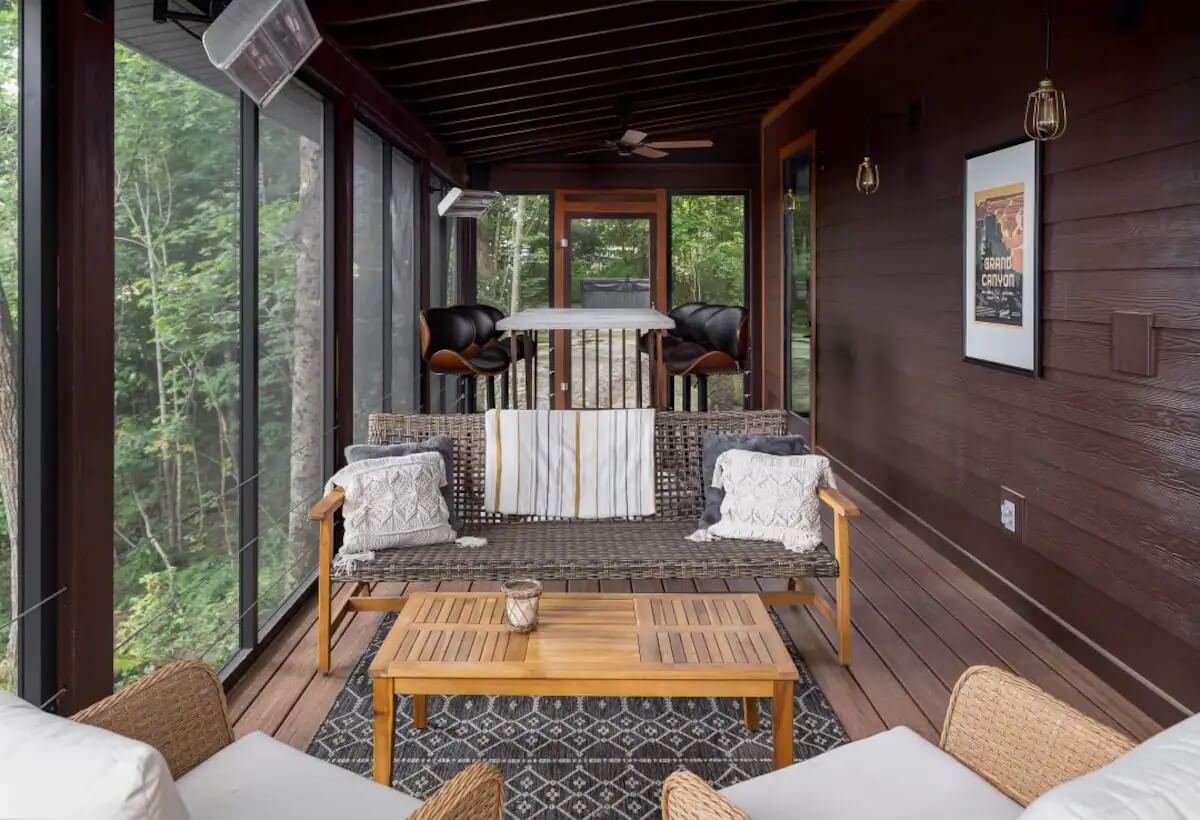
(582, 320)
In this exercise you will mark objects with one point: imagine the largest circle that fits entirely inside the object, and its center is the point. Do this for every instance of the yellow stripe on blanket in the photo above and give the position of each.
(588, 464)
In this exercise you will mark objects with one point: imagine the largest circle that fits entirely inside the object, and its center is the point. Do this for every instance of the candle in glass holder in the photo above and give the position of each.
(521, 597)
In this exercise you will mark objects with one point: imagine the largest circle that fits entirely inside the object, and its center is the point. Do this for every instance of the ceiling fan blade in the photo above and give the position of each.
(632, 137)
(647, 151)
(682, 144)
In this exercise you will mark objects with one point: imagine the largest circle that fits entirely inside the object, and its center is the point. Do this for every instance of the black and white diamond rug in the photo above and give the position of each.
(572, 757)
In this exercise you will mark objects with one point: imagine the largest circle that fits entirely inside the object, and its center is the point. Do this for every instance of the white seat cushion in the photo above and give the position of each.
(896, 775)
(1158, 780)
(54, 767)
(258, 777)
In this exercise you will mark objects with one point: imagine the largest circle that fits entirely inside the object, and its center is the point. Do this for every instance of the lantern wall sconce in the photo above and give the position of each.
(1046, 106)
(866, 180)
(789, 201)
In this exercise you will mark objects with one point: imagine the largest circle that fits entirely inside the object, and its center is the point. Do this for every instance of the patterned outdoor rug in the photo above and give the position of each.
(572, 757)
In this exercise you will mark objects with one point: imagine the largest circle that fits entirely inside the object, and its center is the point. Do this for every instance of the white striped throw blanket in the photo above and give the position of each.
(570, 463)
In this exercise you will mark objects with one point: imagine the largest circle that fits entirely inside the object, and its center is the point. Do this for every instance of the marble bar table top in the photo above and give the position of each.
(587, 319)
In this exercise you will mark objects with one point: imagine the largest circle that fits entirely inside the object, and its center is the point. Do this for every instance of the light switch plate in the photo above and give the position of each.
(1012, 513)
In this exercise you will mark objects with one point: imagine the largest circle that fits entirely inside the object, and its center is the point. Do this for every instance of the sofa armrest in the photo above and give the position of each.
(1019, 738)
(330, 503)
(837, 502)
(475, 793)
(179, 710)
(688, 797)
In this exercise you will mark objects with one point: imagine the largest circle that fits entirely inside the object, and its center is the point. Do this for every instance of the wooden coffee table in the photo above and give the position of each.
(649, 645)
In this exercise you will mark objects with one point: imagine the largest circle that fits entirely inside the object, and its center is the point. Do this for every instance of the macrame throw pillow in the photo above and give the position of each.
(717, 443)
(771, 498)
(434, 444)
(392, 502)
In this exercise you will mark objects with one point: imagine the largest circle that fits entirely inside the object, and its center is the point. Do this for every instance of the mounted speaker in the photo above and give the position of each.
(260, 44)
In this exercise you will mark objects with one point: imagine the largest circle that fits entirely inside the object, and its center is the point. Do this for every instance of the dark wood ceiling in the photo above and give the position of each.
(498, 80)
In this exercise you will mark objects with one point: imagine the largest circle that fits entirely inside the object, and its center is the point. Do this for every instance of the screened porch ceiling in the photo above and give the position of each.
(497, 80)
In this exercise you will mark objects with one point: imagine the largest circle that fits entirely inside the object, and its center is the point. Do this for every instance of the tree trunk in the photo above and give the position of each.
(514, 297)
(9, 468)
(307, 351)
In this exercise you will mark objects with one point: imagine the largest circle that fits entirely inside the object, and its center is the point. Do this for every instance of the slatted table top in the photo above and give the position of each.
(614, 636)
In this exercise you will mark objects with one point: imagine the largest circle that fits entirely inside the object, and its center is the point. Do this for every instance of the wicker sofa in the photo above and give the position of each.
(180, 711)
(1004, 743)
(652, 548)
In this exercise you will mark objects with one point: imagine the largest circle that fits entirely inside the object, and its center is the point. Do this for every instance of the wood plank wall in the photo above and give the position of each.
(1109, 462)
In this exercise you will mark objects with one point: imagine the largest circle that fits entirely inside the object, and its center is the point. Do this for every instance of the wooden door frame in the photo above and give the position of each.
(808, 141)
(632, 203)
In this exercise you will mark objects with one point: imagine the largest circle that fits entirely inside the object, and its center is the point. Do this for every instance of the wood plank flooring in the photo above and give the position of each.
(918, 622)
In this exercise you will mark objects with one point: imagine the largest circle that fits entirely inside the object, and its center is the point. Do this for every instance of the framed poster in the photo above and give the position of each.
(1001, 215)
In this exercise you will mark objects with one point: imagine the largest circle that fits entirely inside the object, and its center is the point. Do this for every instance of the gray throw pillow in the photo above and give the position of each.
(717, 443)
(437, 444)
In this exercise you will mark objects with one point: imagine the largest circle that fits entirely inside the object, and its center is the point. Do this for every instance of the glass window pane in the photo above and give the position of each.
(708, 264)
(512, 268)
(291, 375)
(513, 253)
(9, 352)
(176, 369)
(610, 261)
(405, 354)
(368, 279)
(441, 286)
(798, 258)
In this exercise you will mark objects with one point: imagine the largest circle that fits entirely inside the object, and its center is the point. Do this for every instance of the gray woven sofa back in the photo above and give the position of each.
(678, 450)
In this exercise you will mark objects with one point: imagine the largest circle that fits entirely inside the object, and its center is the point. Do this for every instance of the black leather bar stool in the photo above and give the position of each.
(450, 346)
(718, 343)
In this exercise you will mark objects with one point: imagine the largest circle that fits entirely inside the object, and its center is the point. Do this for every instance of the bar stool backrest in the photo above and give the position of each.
(446, 328)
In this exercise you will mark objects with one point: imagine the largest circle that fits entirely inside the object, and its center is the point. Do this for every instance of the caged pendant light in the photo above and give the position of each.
(1046, 107)
(867, 178)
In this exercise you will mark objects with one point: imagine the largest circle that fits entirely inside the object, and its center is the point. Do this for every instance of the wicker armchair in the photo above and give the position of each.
(1018, 738)
(180, 710)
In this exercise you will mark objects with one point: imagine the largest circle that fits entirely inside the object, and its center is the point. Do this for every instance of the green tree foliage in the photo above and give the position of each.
(9, 354)
(708, 249)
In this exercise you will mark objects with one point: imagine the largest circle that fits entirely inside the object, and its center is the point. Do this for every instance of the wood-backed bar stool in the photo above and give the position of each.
(715, 342)
(450, 346)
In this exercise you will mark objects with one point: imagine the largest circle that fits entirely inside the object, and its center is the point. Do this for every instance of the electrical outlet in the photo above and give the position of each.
(1012, 513)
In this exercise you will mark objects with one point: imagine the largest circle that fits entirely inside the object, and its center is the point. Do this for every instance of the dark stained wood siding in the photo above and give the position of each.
(1109, 462)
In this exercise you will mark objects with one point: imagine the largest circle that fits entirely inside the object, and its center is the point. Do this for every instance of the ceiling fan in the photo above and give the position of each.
(634, 142)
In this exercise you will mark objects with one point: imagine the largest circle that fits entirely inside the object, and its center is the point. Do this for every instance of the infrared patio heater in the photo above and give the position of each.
(259, 44)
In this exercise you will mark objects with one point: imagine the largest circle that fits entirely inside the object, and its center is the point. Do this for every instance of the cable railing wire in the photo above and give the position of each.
(227, 492)
(225, 632)
(179, 596)
(34, 607)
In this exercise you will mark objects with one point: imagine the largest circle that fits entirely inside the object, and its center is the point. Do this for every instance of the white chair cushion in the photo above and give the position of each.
(54, 767)
(896, 775)
(1158, 780)
(258, 777)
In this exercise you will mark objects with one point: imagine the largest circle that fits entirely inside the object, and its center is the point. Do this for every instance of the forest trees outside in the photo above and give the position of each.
(176, 532)
(9, 350)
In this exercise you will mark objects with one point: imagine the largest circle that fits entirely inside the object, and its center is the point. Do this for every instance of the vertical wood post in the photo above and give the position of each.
(85, 423)
(343, 277)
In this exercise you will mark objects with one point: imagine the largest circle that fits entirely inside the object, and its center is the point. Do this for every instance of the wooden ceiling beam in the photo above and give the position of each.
(502, 19)
(754, 61)
(608, 112)
(682, 130)
(630, 91)
(605, 71)
(372, 49)
(593, 135)
(695, 36)
(341, 12)
(612, 126)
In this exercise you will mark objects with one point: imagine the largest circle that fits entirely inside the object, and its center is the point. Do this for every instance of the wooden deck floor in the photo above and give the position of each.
(919, 622)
